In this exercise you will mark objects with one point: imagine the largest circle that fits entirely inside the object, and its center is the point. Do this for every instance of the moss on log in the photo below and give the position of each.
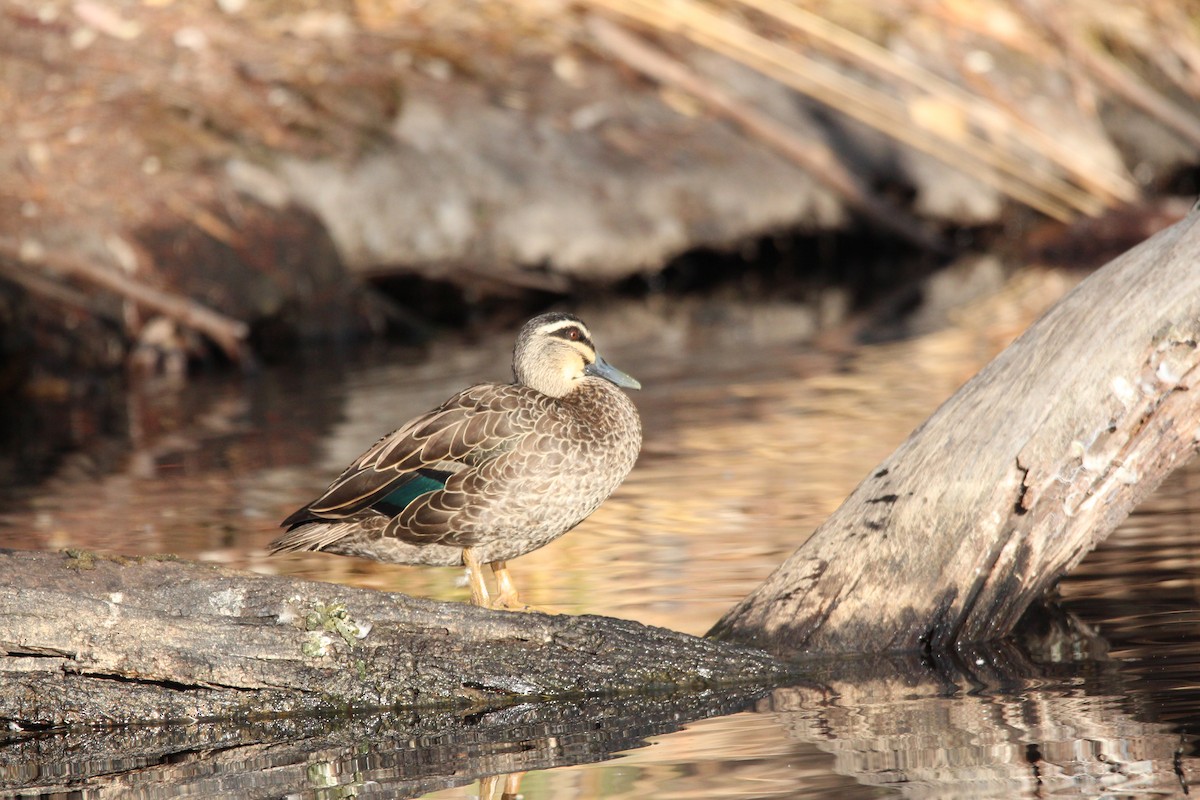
(89, 639)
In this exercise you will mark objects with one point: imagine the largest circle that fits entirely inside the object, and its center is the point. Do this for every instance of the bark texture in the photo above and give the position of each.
(89, 639)
(1012, 481)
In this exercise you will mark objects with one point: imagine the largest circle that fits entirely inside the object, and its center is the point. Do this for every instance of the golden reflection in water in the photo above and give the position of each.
(1042, 742)
(747, 755)
(746, 451)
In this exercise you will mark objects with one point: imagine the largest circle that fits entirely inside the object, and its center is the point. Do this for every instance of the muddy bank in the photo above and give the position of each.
(242, 169)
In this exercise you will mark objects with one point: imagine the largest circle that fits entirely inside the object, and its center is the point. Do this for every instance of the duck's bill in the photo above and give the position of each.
(602, 369)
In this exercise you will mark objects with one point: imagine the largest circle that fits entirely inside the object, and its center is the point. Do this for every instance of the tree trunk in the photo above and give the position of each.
(91, 639)
(1006, 487)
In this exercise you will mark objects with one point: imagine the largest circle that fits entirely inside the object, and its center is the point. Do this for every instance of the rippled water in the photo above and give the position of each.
(751, 440)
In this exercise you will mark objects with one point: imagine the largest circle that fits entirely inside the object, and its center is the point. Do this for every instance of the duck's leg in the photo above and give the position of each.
(479, 590)
(507, 597)
(512, 786)
(509, 789)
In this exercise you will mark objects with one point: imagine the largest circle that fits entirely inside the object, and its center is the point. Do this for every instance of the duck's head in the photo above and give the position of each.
(554, 351)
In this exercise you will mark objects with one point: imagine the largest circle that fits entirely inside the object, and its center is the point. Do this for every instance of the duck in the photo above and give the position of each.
(495, 472)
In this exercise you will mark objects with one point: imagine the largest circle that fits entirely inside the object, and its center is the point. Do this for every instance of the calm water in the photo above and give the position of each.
(751, 440)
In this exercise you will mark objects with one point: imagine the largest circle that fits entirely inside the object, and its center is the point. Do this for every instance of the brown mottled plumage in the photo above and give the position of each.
(496, 471)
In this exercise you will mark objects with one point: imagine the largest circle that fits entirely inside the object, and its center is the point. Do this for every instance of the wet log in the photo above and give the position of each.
(86, 639)
(1012, 481)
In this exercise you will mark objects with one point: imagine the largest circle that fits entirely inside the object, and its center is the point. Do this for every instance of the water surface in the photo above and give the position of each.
(754, 434)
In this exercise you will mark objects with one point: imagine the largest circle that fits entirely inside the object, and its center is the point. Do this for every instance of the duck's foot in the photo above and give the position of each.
(506, 597)
(479, 591)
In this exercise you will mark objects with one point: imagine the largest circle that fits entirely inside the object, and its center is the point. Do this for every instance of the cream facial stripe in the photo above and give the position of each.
(559, 329)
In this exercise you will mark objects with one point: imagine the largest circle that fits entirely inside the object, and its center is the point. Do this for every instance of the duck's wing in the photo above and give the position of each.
(467, 430)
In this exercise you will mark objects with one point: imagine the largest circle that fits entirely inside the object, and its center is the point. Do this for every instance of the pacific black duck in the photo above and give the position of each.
(496, 471)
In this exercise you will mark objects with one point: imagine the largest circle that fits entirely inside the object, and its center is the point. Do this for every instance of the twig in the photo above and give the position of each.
(53, 290)
(1118, 78)
(813, 156)
(203, 219)
(229, 334)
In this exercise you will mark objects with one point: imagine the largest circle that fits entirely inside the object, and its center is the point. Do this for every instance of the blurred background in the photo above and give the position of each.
(241, 240)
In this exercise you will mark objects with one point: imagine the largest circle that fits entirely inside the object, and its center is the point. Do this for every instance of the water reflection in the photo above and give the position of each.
(991, 723)
(401, 754)
(1078, 734)
(747, 449)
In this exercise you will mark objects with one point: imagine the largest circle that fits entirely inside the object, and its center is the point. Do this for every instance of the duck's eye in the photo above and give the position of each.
(571, 333)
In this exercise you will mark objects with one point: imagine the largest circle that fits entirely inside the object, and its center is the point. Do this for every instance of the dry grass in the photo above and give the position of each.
(150, 96)
(944, 103)
(123, 116)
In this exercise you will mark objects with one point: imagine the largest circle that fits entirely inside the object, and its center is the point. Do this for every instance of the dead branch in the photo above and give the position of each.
(1013, 480)
(229, 334)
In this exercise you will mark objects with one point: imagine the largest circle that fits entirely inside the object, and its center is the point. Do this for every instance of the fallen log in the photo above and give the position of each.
(86, 639)
(1012, 481)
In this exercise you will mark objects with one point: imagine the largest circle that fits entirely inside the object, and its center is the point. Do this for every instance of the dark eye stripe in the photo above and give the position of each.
(573, 333)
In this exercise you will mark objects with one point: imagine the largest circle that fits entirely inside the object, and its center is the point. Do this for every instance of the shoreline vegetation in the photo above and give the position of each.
(191, 178)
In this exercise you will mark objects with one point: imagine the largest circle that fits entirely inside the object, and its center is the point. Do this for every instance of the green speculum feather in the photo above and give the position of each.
(418, 483)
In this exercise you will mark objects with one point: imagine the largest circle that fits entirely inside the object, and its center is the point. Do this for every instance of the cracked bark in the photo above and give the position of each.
(1013, 480)
(89, 639)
